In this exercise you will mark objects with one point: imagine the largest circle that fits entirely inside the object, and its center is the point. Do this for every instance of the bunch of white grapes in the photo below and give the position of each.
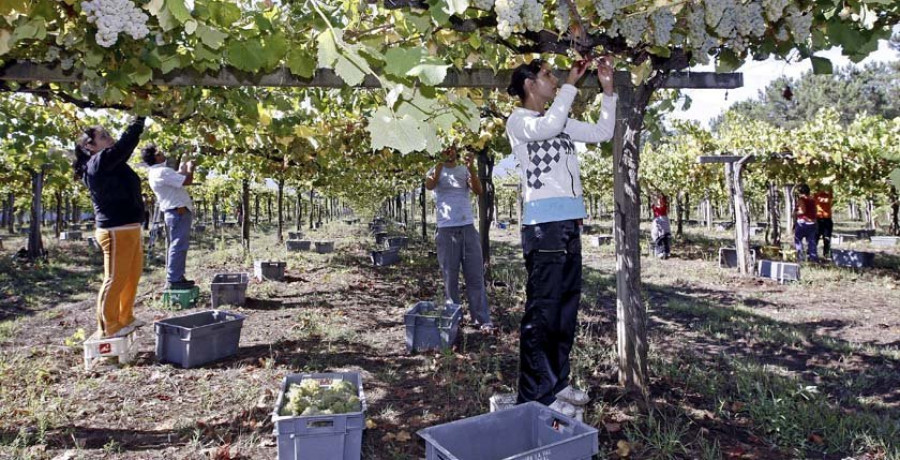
(775, 8)
(533, 15)
(310, 398)
(509, 16)
(750, 21)
(113, 17)
(563, 17)
(663, 22)
(799, 23)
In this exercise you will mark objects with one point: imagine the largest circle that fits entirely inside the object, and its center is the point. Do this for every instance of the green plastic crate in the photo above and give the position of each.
(181, 298)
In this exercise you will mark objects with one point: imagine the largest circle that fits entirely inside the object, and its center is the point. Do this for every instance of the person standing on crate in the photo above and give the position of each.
(824, 225)
(101, 163)
(458, 243)
(177, 209)
(661, 232)
(543, 140)
(805, 224)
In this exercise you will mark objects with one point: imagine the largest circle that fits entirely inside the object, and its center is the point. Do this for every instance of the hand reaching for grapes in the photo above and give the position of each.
(577, 71)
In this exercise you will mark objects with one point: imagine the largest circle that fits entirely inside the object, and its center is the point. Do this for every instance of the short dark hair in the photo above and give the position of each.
(803, 189)
(82, 155)
(523, 72)
(148, 154)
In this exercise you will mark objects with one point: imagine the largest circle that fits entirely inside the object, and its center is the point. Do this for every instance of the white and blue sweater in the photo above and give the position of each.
(544, 146)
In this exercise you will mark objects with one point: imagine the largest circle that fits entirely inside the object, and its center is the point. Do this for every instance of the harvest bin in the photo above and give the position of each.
(434, 331)
(199, 338)
(526, 431)
(229, 289)
(320, 437)
(269, 270)
(852, 259)
(385, 257)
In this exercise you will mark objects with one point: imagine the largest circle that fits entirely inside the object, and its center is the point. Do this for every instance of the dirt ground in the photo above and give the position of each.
(740, 367)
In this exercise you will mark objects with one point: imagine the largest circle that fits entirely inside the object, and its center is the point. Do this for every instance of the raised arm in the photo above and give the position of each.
(602, 130)
(124, 147)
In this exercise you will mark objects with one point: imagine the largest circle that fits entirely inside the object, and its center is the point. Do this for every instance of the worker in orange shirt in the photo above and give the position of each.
(824, 199)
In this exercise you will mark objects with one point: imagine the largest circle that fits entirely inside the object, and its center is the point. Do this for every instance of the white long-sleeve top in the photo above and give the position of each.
(544, 146)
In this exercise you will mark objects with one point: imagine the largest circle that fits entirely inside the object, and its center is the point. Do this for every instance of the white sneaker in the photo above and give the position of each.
(573, 396)
(563, 408)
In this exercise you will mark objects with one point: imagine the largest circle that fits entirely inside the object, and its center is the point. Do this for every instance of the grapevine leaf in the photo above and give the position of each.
(178, 10)
(327, 50)
(440, 16)
(430, 73)
(211, 37)
(351, 69)
(168, 63)
(225, 14)
(452, 7)
(821, 65)
(154, 6)
(141, 75)
(190, 26)
(399, 61)
(301, 62)
(895, 177)
(4, 41)
(402, 134)
(245, 55)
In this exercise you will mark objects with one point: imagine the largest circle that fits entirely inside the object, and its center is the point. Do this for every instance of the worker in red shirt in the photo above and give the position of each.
(824, 225)
(805, 223)
(661, 231)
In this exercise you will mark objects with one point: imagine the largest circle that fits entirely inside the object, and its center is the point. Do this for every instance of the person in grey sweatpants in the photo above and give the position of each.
(457, 240)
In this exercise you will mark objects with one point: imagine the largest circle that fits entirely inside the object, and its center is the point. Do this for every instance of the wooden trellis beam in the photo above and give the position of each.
(24, 72)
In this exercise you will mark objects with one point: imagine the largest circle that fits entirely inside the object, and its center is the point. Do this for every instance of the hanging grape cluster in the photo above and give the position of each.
(700, 26)
(113, 17)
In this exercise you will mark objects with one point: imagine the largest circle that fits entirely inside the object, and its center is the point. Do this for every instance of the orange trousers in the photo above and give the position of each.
(123, 261)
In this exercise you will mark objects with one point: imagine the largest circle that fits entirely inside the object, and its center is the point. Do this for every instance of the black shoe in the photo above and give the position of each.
(182, 284)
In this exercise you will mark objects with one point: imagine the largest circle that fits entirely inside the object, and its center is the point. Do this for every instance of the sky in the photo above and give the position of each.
(708, 104)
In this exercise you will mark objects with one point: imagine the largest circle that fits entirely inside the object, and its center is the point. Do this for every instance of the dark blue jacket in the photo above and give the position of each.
(115, 187)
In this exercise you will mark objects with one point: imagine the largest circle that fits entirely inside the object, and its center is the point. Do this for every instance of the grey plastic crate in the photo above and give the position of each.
(431, 332)
(199, 338)
(885, 241)
(268, 270)
(199, 228)
(779, 271)
(399, 242)
(320, 437)
(324, 247)
(229, 289)
(728, 257)
(385, 257)
(70, 236)
(295, 235)
(380, 238)
(852, 259)
(600, 240)
(527, 431)
(298, 245)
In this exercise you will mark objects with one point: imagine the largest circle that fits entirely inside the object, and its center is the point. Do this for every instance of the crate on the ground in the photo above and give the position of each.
(728, 257)
(852, 259)
(600, 240)
(320, 437)
(199, 338)
(70, 236)
(324, 247)
(292, 235)
(200, 228)
(724, 226)
(229, 289)
(96, 348)
(380, 238)
(298, 245)
(183, 298)
(318, 225)
(399, 242)
(864, 234)
(588, 229)
(885, 241)
(431, 327)
(526, 431)
(269, 270)
(349, 221)
(779, 271)
(385, 257)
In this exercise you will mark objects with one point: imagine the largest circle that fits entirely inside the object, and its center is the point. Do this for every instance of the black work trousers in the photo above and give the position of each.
(824, 228)
(553, 293)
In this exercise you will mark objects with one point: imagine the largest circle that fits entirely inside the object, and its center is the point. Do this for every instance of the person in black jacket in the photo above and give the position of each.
(102, 164)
